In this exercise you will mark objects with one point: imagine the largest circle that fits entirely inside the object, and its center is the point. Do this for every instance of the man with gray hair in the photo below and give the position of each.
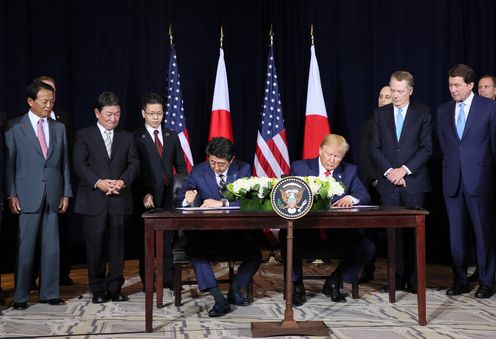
(401, 147)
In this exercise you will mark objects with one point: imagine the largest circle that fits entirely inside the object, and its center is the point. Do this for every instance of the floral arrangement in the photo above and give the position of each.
(254, 192)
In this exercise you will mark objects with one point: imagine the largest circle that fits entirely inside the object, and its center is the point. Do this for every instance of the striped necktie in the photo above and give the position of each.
(222, 182)
(108, 142)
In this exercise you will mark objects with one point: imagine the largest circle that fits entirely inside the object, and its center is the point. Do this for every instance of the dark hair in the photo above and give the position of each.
(220, 147)
(403, 75)
(489, 76)
(35, 87)
(46, 78)
(463, 71)
(150, 99)
(107, 99)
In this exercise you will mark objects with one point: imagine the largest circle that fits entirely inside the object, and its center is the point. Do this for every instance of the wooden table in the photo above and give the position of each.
(390, 218)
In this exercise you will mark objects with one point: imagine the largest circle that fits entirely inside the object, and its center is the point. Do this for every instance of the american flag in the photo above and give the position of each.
(271, 155)
(174, 113)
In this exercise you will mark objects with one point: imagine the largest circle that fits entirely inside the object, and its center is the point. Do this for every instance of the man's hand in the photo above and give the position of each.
(14, 205)
(346, 201)
(396, 175)
(148, 201)
(190, 196)
(211, 203)
(115, 186)
(402, 182)
(63, 204)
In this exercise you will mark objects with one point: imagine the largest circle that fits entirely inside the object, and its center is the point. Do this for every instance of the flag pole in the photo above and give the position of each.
(221, 36)
(171, 39)
(271, 36)
(311, 35)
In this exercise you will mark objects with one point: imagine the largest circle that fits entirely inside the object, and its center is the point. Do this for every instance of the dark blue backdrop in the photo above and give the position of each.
(122, 45)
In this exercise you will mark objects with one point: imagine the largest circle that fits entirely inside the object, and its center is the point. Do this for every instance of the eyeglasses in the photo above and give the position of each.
(154, 114)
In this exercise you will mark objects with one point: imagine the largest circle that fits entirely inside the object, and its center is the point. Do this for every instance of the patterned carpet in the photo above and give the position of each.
(371, 316)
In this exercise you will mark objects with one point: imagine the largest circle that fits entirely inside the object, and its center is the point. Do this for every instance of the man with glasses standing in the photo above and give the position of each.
(160, 153)
(107, 163)
(205, 183)
(401, 148)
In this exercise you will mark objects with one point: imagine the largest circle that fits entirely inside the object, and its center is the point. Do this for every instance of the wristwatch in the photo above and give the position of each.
(224, 202)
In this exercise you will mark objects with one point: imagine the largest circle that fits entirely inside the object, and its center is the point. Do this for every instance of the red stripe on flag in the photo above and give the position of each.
(220, 125)
(316, 128)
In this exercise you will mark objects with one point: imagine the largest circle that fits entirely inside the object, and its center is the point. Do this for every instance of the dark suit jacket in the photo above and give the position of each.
(202, 178)
(92, 163)
(413, 150)
(152, 166)
(345, 173)
(474, 156)
(28, 175)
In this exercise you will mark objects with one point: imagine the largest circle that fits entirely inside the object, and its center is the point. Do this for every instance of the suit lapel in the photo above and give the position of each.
(51, 133)
(211, 180)
(390, 122)
(471, 116)
(337, 174)
(115, 143)
(28, 131)
(451, 119)
(100, 143)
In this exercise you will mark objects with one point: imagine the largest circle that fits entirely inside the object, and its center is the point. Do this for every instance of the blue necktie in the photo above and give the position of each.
(399, 123)
(460, 122)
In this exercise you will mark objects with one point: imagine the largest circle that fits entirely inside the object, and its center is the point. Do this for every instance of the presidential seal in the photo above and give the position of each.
(291, 198)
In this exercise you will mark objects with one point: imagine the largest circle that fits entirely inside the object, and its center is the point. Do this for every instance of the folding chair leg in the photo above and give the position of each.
(354, 290)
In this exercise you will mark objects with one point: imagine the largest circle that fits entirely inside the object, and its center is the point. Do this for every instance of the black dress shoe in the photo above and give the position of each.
(119, 298)
(411, 288)
(299, 294)
(331, 289)
(20, 306)
(236, 298)
(66, 281)
(53, 302)
(474, 277)
(484, 292)
(99, 299)
(458, 289)
(367, 274)
(219, 310)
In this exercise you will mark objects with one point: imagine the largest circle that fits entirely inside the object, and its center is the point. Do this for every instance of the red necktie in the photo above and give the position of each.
(160, 150)
(327, 173)
(158, 144)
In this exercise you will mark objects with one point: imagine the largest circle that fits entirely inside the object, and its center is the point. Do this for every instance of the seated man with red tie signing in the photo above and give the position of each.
(355, 249)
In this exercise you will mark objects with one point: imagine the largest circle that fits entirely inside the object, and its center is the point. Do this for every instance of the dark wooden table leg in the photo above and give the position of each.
(392, 264)
(159, 278)
(421, 285)
(149, 272)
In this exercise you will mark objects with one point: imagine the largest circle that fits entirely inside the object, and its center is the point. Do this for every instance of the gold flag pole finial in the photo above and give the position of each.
(271, 35)
(311, 35)
(171, 39)
(221, 36)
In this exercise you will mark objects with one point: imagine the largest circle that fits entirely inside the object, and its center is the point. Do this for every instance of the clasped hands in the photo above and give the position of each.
(397, 176)
(110, 186)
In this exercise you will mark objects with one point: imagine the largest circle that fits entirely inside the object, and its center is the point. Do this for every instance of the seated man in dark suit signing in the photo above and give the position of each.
(355, 249)
(205, 182)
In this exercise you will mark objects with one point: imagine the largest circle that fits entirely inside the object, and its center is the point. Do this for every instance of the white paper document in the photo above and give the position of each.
(207, 208)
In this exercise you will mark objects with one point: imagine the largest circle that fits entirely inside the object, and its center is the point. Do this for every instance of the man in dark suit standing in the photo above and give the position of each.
(401, 148)
(467, 137)
(37, 184)
(356, 249)
(107, 163)
(160, 152)
(205, 182)
(65, 249)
